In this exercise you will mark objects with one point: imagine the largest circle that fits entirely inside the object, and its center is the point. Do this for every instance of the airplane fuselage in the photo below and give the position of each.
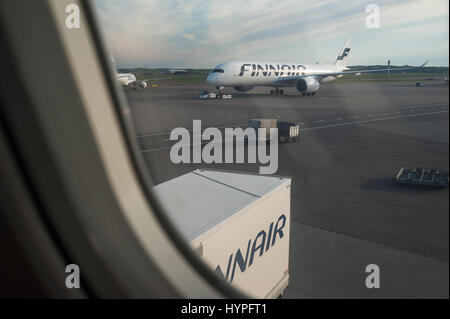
(241, 73)
(125, 78)
(306, 78)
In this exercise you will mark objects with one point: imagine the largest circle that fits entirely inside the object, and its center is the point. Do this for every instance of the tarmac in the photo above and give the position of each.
(347, 212)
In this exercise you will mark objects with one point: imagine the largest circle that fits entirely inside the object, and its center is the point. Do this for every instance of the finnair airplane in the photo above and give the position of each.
(306, 78)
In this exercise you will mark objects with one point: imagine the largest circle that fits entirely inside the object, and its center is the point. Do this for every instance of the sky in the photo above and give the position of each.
(204, 33)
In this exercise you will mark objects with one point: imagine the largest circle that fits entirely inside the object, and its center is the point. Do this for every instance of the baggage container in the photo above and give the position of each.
(238, 223)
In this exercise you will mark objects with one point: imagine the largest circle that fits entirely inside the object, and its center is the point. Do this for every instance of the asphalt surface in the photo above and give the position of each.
(346, 210)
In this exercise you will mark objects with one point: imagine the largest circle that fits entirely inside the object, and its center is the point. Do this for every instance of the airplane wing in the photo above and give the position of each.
(292, 79)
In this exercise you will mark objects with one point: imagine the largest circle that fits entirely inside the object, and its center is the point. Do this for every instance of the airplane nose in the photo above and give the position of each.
(212, 78)
(209, 78)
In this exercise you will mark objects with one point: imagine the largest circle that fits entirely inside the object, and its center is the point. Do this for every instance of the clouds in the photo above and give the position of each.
(202, 33)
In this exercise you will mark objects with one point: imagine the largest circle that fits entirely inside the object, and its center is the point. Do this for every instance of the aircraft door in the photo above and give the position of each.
(235, 70)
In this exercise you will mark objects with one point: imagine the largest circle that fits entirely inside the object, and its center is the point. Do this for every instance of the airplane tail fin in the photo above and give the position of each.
(341, 59)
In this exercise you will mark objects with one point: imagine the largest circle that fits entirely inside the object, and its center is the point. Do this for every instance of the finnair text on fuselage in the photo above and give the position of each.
(244, 75)
(269, 69)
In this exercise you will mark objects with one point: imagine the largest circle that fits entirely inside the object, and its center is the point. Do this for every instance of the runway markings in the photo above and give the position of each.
(443, 107)
(421, 106)
(168, 139)
(335, 125)
(156, 149)
(191, 144)
(168, 133)
(372, 120)
(404, 113)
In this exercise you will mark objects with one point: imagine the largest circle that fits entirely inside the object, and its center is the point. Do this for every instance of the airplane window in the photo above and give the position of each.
(293, 177)
(131, 169)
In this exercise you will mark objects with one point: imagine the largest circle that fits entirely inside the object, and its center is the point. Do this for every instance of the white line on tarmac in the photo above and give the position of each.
(155, 149)
(168, 139)
(421, 106)
(331, 113)
(332, 125)
(191, 144)
(168, 133)
(374, 120)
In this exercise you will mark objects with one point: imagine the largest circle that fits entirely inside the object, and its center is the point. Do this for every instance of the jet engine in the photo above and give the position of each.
(243, 88)
(307, 85)
(143, 84)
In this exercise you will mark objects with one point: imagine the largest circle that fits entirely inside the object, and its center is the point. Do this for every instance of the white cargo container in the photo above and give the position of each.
(238, 223)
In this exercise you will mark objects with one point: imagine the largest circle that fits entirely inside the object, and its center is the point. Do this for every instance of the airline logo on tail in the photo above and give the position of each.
(344, 54)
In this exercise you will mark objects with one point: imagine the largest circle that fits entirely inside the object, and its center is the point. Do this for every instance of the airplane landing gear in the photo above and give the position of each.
(277, 91)
(219, 93)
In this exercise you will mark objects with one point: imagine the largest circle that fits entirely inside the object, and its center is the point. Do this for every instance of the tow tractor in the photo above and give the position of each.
(205, 94)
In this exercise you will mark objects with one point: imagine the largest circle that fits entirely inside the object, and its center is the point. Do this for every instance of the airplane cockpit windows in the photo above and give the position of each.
(218, 71)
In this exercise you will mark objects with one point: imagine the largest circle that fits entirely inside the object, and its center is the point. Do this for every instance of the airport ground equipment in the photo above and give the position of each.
(421, 176)
(223, 96)
(205, 94)
(287, 131)
(237, 222)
